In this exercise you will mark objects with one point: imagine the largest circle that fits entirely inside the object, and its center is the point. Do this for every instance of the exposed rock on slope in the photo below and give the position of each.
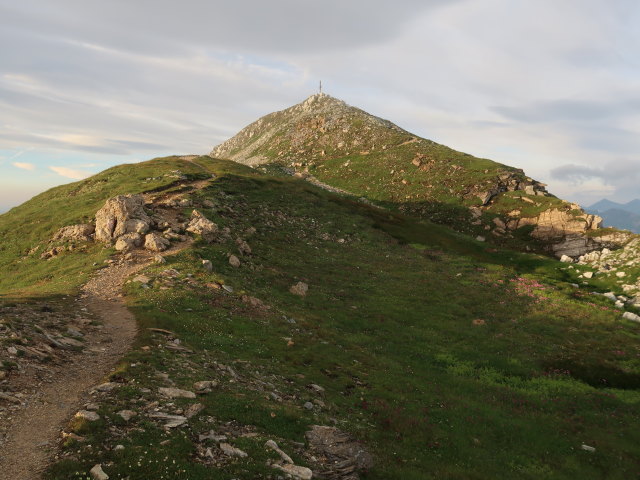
(621, 265)
(120, 215)
(564, 230)
(339, 146)
(82, 232)
(135, 221)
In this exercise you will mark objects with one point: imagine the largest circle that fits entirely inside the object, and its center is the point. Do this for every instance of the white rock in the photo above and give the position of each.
(620, 274)
(631, 316)
(155, 243)
(97, 473)
(176, 393)
(299, 289)
(232, 451)
(205, 386)
(274, 446)
(587, 274)
(75, 232)
(88, 416)
(299, 473)
(316, 388)
(127, 414)
(128, 241)
(106, 387)
(137, 226)
(172, 421)
(200, 225)
(234, 261)
(113, 219)
(480, 238)
(566, 259)
(587, 448)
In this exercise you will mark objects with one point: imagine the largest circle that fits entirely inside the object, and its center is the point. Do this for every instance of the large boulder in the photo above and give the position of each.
(81, 232)
(200, 225)
(128, 241)
(155, 243)
(121, 215)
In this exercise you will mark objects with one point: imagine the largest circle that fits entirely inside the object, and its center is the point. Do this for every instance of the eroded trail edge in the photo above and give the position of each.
(35, 431)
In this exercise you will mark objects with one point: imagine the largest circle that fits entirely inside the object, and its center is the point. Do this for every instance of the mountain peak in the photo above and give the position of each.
(320, 123)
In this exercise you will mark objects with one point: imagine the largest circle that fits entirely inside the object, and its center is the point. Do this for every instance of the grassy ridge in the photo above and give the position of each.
(449, 359)
(350, 149)
(26, 230)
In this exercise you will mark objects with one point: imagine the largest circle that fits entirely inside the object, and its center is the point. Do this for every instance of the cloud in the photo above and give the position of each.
(612, 172)
(530, 84)
(24, 165)
(70, 172)
(277, 26)
(571, 110)
(586, 184)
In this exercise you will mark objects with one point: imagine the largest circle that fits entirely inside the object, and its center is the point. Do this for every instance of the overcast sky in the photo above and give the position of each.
(551, 86)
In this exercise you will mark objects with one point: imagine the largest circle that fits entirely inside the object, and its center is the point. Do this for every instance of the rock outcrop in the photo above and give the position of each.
(342, 456)
(618, 261)
(121, 215)
(155, 243)
(509, 181)
(562, 229)
(128, 241)
(200, 225)
(81, 232)
(556, 224)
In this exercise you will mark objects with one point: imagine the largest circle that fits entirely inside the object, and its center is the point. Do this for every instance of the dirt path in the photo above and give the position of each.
(36, 428)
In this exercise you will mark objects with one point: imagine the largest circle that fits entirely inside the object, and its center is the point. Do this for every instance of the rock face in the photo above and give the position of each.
(120, 215)
(82, 232)
(556, 223)
(563, 229)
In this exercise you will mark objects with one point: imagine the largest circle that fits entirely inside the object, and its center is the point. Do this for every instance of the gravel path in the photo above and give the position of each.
(36, 428)
(34, 431)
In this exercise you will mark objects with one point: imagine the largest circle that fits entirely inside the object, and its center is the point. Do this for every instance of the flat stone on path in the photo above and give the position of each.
(176, 392)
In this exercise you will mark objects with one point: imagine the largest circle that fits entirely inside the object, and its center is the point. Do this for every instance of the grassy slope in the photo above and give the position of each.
(32, 224)
(375, 161)
(388, 329)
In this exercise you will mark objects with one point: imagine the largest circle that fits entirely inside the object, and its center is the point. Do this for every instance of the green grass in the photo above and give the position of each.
(26, 230)
(349, 149)
(447, 358)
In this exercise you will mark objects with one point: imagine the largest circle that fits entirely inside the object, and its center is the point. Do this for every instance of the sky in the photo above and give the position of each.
(549, 86)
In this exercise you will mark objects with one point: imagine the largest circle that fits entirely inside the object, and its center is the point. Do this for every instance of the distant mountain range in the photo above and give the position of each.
(619, 215)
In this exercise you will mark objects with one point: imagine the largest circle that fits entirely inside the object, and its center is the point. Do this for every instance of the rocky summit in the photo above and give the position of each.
(324, 296)
(331, 143)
